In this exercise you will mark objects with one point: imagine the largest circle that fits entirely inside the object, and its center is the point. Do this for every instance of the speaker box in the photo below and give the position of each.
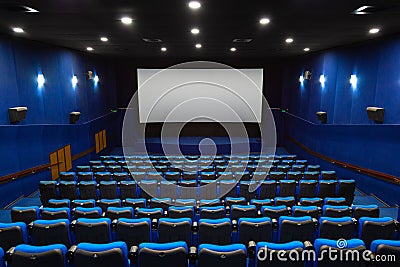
(376, 114)
(74, 117)
(322, 116)
(17, 114)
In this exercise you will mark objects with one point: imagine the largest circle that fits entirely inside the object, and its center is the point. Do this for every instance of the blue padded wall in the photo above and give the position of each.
(349, 135)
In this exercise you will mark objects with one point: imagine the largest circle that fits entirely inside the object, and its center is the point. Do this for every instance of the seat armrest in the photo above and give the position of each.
(71, 252)
(8, 255)
(195, 227)
(289, 209)
(397, 225)
(274, 224)
(133, 254)
(192, 255)
(72, 225)
(165, 213)
(315, 222)
(308, 245)
(30, 227)
(319, 211)
(154, 224)
(114, 224)
(227, 210)
(234, 225)
(103, 215)
(259, 213)
(251, 248)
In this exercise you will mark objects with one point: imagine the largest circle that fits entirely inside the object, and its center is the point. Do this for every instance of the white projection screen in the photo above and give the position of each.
(200, 95)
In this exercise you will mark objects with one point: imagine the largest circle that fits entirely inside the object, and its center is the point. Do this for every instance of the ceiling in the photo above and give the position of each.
(317, 24)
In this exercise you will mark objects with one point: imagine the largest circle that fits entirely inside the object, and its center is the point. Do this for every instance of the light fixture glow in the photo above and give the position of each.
(126, 20)
(195, 31)
(361, 10)
(264, 21)
(306, 49)
(322, 80)
(40, 80)
(164, 49)
(104, 39)
(89, 48)
(353, 81)
(74, 81)
(233, 49)
(374, 30)
(18, 30)
(96, 79)
(194, 4)
(301, 79)
(198, 45)
(289, 40)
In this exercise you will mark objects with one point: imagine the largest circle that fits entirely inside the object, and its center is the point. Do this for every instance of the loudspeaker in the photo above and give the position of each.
(17, 114)
(376, 114)
(307, 75)
(322, 116)
(74, 117)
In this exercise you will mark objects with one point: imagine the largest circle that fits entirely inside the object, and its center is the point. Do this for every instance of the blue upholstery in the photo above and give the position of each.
(376, 243)
(223, 256)
(132, 232)
(180, 211)
(98, 248)
(116, 210)
(27, 255)
(278, 246)
(12, 234)
(79, 202)
(352, 243)
(2, 264)
(56, 210)
(205, 202)
(164, 246)
(295, 228)
(273, 207)
(93, 230)
(82, 210)
(24, 214)
(57, 202)
(185, 202)
(163, 255)
(49, 232)
(263, 202)
(334, 199)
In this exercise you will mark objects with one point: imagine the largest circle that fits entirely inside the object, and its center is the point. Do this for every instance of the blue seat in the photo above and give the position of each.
(172, 176)
(50, 232)
(163, 255)
(299, 168)
(386, 248)
(120, 176)
(59, 203)
(181, 212)
(185, 202)
(84, 203)
(267, 254)
(274, 212)
(324, 246)
(55, 213)
(163, 203)
(365, 211)
(115, 213)
(128, 189)
(92, 230)
(268, 189)
(227, 187)
(247, 188)
(370, 229)
(222, 256)
(25, 214)
(133, 231)
(12, 234)
(101, 255)
(336, 228)
(108, 189)
(313, 201)
(67, 176)
(327, 188)
(295, 229)
(260, 202)
(328, 175)
(307, 188)
(135, 202)
(298, 211)
(148, 188)
(346, 189)
(87, 190)
(313, 168)
(152, 213)
(254, 229)
(277, 176)
(172, 230)
(91, 213)
(229, 201)
(2, 263)
(287, 201)
(105, 203)
(43, 256)
(336, 211)
(294, 175)
(210, 202)
(287, 188)
(216, 231)
(217, 212)
(47, 191)
(102, 176)
(82, 169)
(243, 211)
(335, 201)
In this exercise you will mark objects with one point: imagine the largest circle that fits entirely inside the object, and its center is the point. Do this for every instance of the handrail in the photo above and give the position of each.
(376, 174)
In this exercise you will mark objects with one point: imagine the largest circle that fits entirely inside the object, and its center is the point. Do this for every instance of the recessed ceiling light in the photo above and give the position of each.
(264, 21)
(18, 30)
(374, 30)
(289, 40)
(306, 49)
(89, 48)
(195, 31)
(233, 49)
(126, 20)
(194, 4)
(163, 49)
(104, 39)
(198, 45)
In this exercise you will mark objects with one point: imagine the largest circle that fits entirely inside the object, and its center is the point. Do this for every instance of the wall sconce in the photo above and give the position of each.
(40, 80)
(74, 81)
(353, 81)
(322, 80)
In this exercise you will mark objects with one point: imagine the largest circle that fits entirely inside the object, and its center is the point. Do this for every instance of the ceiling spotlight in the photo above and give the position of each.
(195, 31)
(289, 40)
(163, 49)
(233, 49)
(198, 45)
(89, 48)
(18, 30)
(194, 4)
(126, 20)
(374, 30)
(264, 21)
(306, 49)
(104, 39)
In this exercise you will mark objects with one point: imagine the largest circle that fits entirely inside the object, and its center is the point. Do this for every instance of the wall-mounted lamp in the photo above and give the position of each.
(301, 79)
(353, 81)
(40, 80)
(322, 80)
(96, 79)
(74, 81)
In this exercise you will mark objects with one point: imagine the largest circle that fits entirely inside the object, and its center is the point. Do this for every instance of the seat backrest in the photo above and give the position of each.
(120, 176)
(270, 254)
(163, 255)
(295, 229)
(336, 211)
(287, 201)
(101, 255)
(294, 175)
(133, 231)
(163, 203)
(313, 201)
(128, 189)
(43, 256)
(243, 211)
(93, 230)
(119, 212)
(365, 211)
(335, 201)
(336, 228)
(67, 190)
(12, 234)
(370, 229)
(307, 188)
(108, 189)
(389, 248)
(181, 212)
(287, 188)
(67, 176)
(49, 232)
(227, 188)
(86, 203)
(87, 190)
(229, 201)
(148, 188)
(47, 191)
(172, 230)
(217, 212)
(55, 213)
(274, 212)
(222, 256)
(59, 203)
(277, 176)
(327, 188)
(135, 202)
(91, 213)
(105, 203)
(102, 176)
(185, 202)
(254, 229)
(217, 232)
(24, 214)
(268, 189)
(298, 211)
(85, 176)
(152, 213)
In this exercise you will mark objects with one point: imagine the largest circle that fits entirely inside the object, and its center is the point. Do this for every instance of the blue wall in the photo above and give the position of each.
(349, 135)
(46, 127)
